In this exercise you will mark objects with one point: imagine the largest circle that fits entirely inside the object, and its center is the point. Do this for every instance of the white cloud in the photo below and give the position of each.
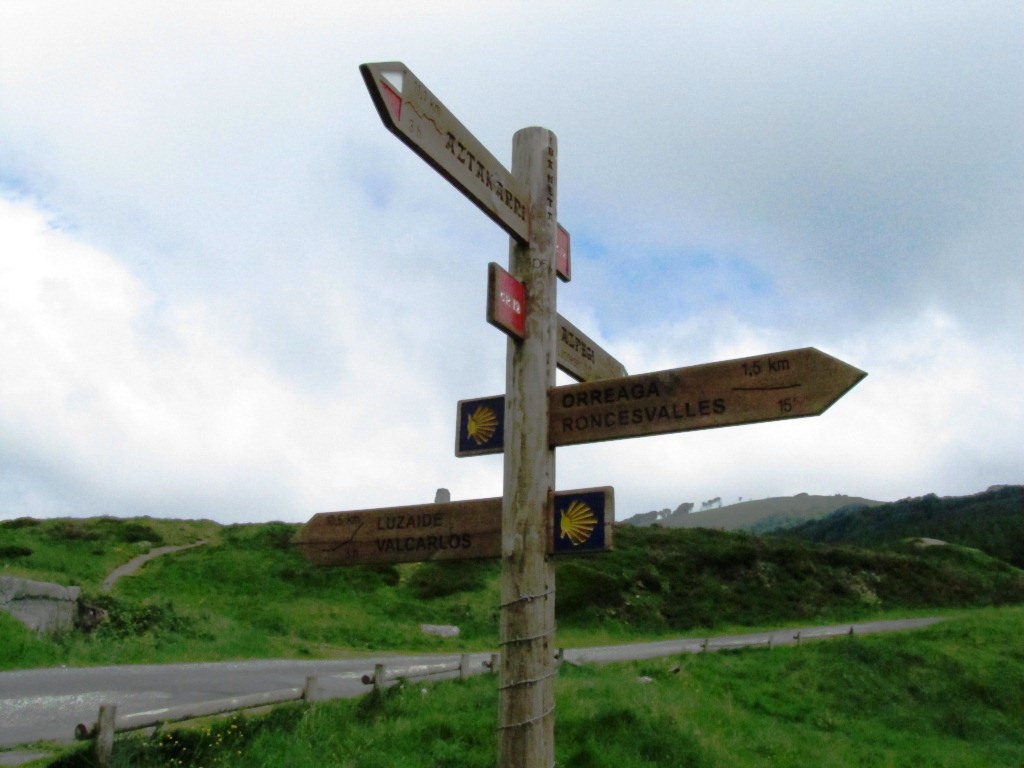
(937, 413)
(154, 407)
(238, 296)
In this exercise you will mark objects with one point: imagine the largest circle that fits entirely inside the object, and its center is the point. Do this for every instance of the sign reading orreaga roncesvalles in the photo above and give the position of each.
(579, 522)
(781, 385)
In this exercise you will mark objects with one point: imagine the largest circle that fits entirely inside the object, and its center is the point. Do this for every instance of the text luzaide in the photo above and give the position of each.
(418, 520)
(628, 411)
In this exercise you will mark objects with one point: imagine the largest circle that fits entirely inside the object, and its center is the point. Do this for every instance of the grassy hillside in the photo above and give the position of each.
(951, 695)
(249, 594)
(81, 552)
(676, 580)
(756, 515)
(992, 521)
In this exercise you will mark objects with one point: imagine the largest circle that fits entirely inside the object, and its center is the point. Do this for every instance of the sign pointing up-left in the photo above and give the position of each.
(417, 117)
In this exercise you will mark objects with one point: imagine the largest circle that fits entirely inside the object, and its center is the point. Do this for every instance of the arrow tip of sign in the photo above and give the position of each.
(384, 81)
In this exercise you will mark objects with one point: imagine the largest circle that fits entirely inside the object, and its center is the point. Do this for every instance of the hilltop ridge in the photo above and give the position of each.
(756, 515)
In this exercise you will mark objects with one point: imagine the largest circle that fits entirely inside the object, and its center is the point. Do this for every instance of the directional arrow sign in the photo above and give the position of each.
(422, 122)
(582, 358)
(579, 521)
(782, 385)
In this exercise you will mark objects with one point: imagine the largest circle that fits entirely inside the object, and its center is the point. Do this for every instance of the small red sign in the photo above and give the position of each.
(563, 266)
(393, 99)
(506, 302)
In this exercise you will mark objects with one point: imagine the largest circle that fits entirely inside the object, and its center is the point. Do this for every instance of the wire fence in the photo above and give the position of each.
(109, 723)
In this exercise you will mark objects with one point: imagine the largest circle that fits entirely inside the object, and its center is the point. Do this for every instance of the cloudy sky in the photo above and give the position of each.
(226, 291)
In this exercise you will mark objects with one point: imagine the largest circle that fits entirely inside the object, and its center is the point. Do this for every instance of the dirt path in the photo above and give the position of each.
(137, 562)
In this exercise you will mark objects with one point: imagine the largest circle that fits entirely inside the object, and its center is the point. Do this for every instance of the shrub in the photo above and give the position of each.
(19, 522)
(449, 577)
(12, 551)
(123, 619)
(72, 530)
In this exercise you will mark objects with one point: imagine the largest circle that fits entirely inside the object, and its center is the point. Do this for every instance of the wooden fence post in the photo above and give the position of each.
(312, 689)
(105, 734)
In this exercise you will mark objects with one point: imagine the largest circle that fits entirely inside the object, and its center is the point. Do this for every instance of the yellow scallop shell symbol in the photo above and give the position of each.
(481, 424)
(578, 522)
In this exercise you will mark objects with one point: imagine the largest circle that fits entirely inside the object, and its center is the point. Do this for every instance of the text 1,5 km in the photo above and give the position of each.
(770, 365)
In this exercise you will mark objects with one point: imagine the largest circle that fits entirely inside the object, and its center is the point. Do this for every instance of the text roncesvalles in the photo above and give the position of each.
(629, 408)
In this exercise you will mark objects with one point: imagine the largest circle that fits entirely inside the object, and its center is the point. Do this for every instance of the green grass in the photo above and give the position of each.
(249, 594)
(951, 695)
(82, 552)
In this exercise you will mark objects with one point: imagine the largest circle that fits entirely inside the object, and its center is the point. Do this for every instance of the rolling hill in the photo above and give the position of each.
(991, 521)
(754, 516)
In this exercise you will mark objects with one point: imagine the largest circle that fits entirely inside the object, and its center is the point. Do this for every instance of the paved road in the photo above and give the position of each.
(47, 704)
(637, 651)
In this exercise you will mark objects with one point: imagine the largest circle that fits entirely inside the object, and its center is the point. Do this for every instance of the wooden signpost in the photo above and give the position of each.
(577, 522)
(530, 522)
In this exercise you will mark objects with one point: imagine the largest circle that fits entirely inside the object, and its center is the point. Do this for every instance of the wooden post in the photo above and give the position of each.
(311, 691)
(527, 694)
(463, 666)
(105, 734)
(378, 677)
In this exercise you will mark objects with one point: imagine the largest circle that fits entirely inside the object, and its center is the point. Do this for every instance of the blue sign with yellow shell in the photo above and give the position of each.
(582, 521)
(481, 426)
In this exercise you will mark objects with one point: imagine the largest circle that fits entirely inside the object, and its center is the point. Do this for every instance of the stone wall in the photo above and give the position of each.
(40, 606)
